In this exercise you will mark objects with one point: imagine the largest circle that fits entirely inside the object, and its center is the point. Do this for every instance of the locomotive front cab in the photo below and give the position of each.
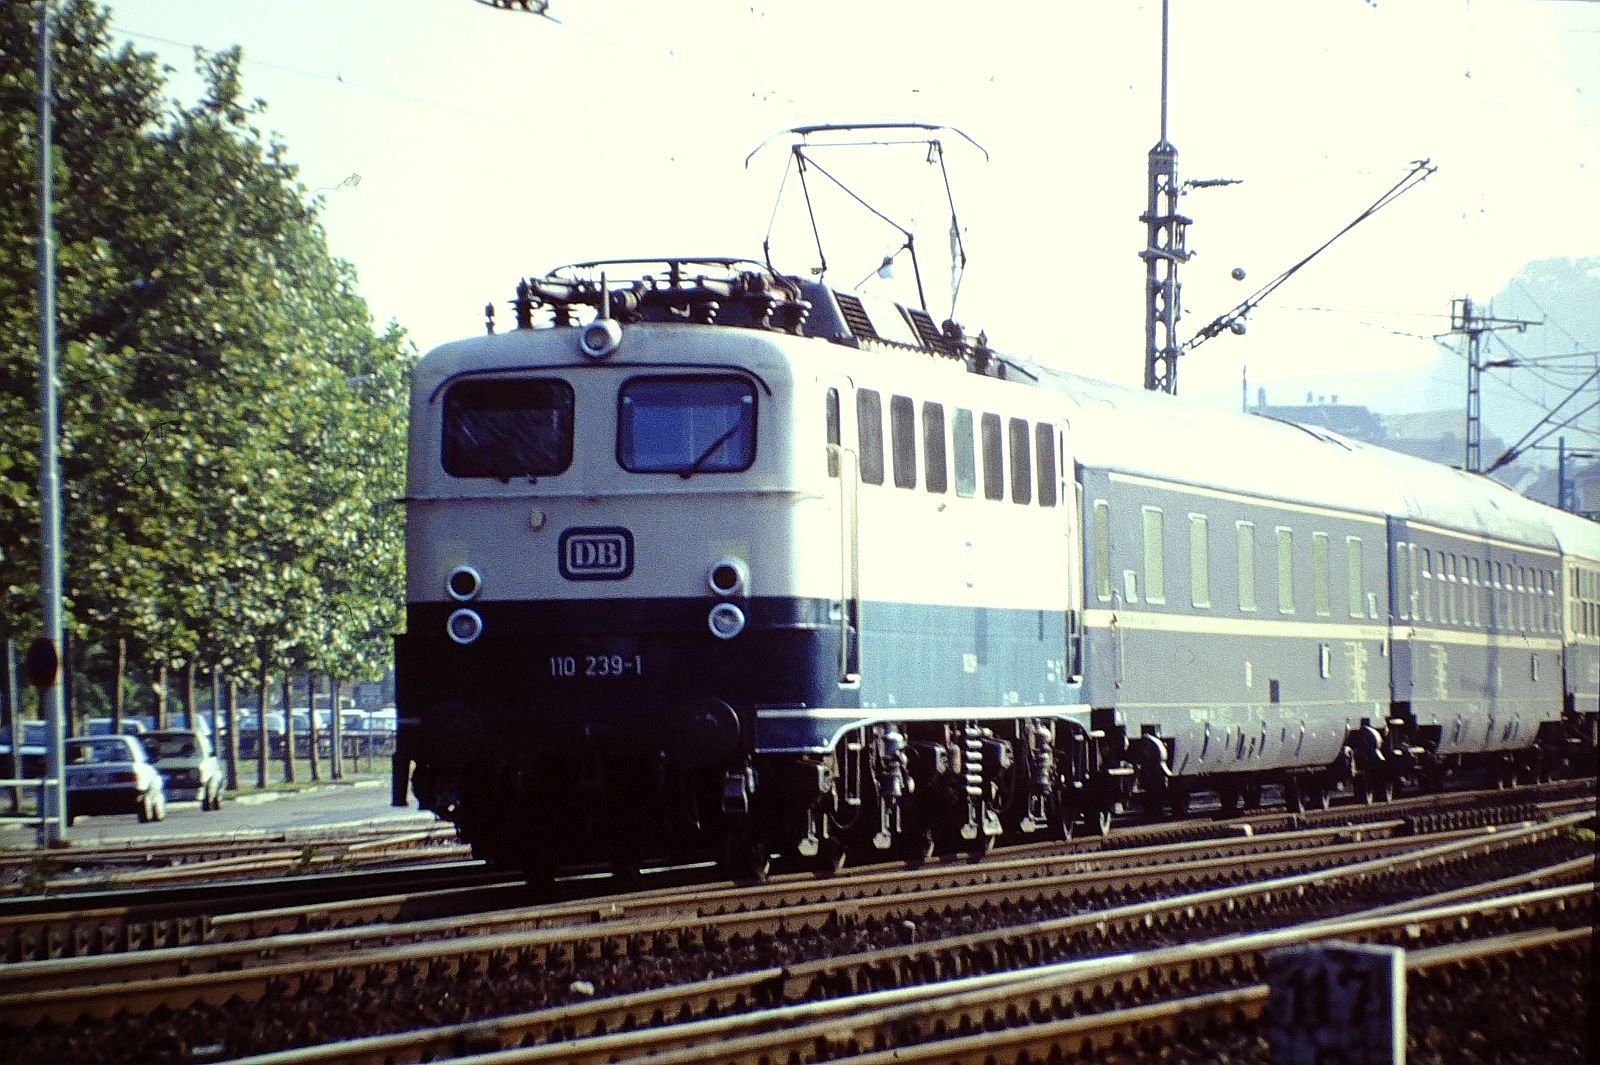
(601, 586)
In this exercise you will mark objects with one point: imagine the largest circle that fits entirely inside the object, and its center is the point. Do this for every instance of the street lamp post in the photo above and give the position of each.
(54, 814)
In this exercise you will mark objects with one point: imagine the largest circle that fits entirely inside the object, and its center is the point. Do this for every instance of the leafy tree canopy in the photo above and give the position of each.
(232, 422)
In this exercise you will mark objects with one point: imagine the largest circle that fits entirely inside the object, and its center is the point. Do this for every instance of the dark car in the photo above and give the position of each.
(32, 751)
(188, 768)
(112, 775)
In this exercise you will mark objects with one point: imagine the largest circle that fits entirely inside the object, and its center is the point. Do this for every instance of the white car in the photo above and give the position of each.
(187, 766)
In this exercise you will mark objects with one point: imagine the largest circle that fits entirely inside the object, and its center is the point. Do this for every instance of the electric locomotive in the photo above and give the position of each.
(666, 600)
(710, 562)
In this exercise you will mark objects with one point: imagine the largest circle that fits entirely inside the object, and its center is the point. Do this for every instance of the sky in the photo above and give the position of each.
(494, 144)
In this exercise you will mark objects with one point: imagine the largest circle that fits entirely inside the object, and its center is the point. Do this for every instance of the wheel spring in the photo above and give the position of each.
(973, 763)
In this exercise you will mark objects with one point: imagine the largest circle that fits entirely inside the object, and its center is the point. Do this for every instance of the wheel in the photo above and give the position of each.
(749, 858)
(830, 858)
(1067, 815)
(916, 845)
(1317, 797)
(1372, 788)
(1098, 820)
(1178, 801)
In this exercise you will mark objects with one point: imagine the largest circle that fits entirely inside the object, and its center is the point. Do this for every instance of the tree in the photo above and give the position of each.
(229, 412)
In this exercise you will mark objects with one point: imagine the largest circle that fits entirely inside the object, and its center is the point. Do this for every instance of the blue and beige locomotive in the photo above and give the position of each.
(710, 562)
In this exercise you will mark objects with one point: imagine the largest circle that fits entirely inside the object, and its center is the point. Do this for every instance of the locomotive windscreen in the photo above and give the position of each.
(687, 425)
(504, 429)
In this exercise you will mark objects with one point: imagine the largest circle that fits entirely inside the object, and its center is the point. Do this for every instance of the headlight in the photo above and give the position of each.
(464, 626)
(463, 583)
(725, 621)
(600, 338)
(727, 577)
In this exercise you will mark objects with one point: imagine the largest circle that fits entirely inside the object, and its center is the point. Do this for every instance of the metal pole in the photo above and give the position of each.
(49, 482)
(1561, 474)
(1164, 249)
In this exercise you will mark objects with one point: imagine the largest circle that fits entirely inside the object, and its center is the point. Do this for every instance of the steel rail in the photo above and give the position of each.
(808, 905)
(1009, 1011)
(913, 963)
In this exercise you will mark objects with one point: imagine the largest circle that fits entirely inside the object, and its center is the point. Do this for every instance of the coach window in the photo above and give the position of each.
(869, 425)
(1402, 581)
(1522, 599)
(1352, 559)
(1155, 576)
(1475, 582)
(1245, 543)
(1469, 593)
(1285, 570)
(966, 466)
(903, 441)
(1320, 578)
(1021, 472)
(1551, 581)
(933, 447)
(1452, 588)
(1199, 562)
(1441, 580)
(505, 428)
(993, 471)
(1411, 552)
(1426, 589)
(1497, 571)
(1102, 550)
(1044, 436)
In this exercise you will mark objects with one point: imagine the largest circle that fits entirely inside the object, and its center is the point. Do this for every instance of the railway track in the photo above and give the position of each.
(160, 863)
(846, 936)
(196, 910)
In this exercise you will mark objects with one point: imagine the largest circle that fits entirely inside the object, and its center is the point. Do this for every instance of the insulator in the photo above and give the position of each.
(524, 305)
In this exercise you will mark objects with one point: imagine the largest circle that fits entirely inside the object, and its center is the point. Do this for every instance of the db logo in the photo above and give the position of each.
(596, 554)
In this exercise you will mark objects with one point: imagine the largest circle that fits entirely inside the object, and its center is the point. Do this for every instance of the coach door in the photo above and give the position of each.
(1069, 496)
(844, 472)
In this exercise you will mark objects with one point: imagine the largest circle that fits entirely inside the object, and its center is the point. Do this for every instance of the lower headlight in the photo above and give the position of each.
(464, 626)
(725, 621)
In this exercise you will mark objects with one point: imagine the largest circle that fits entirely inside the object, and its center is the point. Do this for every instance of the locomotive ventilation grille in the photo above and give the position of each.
(855, 316)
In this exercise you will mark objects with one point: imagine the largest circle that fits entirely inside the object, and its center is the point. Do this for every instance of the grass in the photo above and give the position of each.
(276, 781)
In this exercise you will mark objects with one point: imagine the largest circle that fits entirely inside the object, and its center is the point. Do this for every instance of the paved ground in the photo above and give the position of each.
(357, 801)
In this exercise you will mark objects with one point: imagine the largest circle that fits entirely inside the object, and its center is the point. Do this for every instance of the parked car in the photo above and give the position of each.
(300, 720)
(250, 733)
(32, 750)
(131, 726)
(112, 775)
(187, 765)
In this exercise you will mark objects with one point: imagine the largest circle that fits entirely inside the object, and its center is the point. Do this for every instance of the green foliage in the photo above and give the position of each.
(232, 422)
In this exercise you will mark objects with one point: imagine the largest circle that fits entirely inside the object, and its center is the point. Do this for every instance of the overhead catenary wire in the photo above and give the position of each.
(1523, 444)
(1420, 171)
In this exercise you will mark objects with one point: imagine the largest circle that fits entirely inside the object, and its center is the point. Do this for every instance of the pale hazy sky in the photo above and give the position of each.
(495, 144)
